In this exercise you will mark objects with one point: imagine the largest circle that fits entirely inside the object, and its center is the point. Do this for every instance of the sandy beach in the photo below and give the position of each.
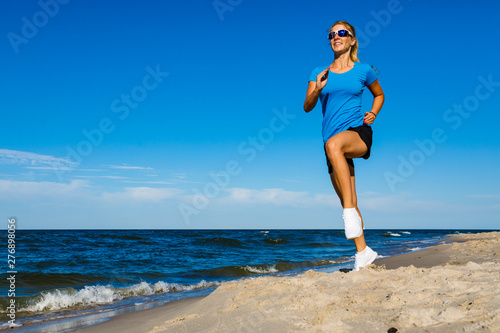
(447, 288)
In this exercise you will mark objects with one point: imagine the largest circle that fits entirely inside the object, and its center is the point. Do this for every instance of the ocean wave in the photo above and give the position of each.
(261, 270)
(118, 236)
(275, 241)
(70, 298)
(41, 280)
(235, 271)
(7, 325)
(321, 245)
(224, 241)
(389, 234)
(406, 232)
(308, 264)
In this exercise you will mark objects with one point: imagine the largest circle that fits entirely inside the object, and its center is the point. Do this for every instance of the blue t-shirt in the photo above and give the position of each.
(341, 97)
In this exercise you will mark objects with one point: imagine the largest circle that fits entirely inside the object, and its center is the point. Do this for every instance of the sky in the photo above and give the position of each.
(188, 114)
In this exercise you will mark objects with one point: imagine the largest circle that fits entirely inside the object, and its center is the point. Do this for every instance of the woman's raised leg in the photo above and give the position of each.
(345, 145)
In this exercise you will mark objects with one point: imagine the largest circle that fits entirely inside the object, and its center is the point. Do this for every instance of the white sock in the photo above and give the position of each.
(350, 210)
(352, 223)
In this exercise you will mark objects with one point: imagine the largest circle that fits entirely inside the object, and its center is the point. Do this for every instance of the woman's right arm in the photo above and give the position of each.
(314, 89)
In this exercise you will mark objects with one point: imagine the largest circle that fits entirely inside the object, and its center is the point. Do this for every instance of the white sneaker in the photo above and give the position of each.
(352, 223)
(364, 258)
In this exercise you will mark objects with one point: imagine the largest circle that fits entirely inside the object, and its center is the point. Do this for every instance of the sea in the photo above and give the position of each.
(69, 279)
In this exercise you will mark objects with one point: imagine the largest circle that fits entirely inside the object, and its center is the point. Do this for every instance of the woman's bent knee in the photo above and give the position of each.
(333, 146)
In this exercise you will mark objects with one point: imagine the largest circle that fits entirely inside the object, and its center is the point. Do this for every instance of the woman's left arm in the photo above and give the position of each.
(378, 101)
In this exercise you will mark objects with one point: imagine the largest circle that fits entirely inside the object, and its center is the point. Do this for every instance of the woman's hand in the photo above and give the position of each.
(322, 79)
(314, 89)
(369, 118)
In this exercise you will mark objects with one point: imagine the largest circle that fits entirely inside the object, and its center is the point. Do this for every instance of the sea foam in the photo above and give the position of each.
(261, 270)
(97, 295)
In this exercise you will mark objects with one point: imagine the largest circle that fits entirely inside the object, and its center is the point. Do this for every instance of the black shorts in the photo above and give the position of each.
(366, 134)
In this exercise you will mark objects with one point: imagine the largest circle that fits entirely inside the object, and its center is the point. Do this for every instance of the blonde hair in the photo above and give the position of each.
(354, 48)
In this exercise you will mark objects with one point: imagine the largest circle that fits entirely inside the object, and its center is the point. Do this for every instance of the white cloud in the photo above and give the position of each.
(142, 194)
(50, 168)
(278, 197)
(398, 203)
(158, 182)
(291, 180)
(185, 181)
(407, 203)
(401, 203)
(25, 190)
(180, 175)
(103, 177)
(33, 159)
(129, 167)
(78, 192)
(63, 169)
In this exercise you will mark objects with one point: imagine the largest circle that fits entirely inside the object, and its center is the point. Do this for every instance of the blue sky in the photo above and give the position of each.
(127, 114)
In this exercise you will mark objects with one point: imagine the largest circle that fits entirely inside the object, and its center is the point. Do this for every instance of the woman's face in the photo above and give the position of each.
(341, 44)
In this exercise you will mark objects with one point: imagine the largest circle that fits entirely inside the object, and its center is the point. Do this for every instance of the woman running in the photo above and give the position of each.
(346, 130)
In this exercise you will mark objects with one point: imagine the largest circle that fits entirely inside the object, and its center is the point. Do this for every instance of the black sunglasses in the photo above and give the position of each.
(340, 33)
